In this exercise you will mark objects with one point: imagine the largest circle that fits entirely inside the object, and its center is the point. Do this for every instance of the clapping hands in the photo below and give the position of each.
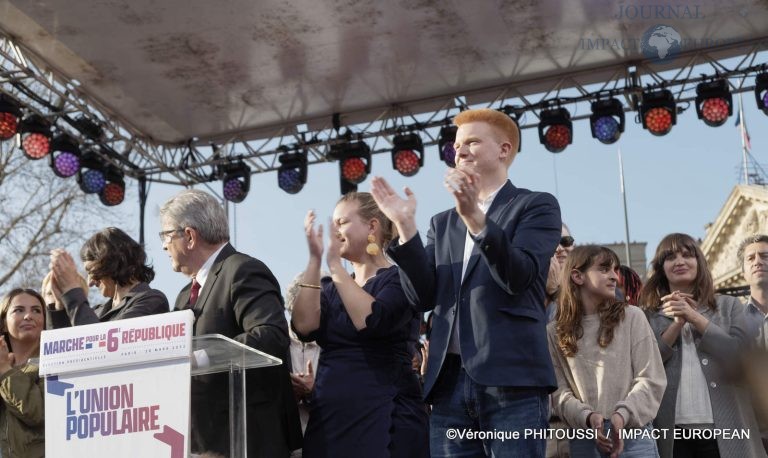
(314, 236)
(680, 306)
(316, 244)
(65, 276)
(400, 211)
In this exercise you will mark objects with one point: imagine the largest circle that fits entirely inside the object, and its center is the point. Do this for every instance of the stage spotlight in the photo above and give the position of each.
(445, 144)
(354, 160)
(91, 176)
(407, 154)
(10, 112)
(114, 189)
(761, 92)
(65, 156)
(89, 128)
(346, 186)
(292, 174)
(519, 133)
(714, 103)
(658, 112)
(515, 114)
(236, 182)
(555, 129)
(35, 137)
(354, 170)
(607, 120)
(357, 165)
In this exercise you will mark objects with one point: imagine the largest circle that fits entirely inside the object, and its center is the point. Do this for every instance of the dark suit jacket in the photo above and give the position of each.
(140, 301)
(241, 300)
(502, 323)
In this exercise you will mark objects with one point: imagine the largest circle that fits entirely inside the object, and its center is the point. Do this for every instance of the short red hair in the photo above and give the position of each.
(501, 122)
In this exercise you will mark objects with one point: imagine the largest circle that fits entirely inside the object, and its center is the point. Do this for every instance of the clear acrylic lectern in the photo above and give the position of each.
(215, 353)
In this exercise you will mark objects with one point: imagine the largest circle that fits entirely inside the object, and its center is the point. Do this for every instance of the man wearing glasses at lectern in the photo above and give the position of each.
(237, 296)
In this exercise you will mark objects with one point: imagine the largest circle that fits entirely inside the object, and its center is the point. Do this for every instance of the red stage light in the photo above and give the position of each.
(407, 162)
(407, 153)
(715, 110)
(714, 102)
(658, 111)
(658, 121)
(555, 129)
(114, 190)
(8, 125)
(354, 161)
(113, 194)
(9, 117)
(557, 137)
(353, 170)
(35, 145)
(35, 136)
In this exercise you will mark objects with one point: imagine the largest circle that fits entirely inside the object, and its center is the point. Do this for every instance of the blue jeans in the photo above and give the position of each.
(460, 406)
(642, 447)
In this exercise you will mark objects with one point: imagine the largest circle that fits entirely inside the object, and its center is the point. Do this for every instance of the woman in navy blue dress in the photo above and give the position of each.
(367, 398)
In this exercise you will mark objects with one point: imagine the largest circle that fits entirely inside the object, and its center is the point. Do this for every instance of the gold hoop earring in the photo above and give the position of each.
(372, 248)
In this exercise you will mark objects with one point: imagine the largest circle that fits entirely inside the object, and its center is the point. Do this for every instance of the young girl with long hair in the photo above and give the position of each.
(700, 336)
(609, 373)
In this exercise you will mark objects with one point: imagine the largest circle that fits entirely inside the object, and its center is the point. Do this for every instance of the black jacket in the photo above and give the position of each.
(241, 300)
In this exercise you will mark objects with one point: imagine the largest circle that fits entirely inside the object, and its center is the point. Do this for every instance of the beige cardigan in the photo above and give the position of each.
(626, 377)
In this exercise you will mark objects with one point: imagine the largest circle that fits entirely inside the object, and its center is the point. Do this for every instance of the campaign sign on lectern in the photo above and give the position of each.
(118, 389)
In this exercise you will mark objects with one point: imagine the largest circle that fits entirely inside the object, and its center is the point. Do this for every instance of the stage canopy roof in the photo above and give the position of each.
(174, 70)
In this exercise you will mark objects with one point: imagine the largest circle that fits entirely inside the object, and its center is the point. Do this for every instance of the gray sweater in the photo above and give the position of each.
(718, 349)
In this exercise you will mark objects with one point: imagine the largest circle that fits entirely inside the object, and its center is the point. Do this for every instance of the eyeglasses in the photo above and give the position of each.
(165, 236)
(566, 241)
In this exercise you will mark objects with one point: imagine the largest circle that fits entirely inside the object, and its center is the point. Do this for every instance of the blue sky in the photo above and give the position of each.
(675, 183)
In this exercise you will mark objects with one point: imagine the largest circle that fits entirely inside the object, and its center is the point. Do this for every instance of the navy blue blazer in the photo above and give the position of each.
(502, 321)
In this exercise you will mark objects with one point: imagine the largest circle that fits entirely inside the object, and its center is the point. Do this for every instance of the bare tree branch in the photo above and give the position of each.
(41, 211)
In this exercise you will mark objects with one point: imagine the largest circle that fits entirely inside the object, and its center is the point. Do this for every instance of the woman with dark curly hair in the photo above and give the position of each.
(116, 264)
(608, 368)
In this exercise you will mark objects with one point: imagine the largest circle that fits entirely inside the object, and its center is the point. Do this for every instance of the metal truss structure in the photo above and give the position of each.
(736, 291)
(65, 104)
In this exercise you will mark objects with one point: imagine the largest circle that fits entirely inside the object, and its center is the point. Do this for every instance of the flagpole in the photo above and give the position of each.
(626, 217)
(743, 141)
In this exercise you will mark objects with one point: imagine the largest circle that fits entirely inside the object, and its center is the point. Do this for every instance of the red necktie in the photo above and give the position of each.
(194, 292)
